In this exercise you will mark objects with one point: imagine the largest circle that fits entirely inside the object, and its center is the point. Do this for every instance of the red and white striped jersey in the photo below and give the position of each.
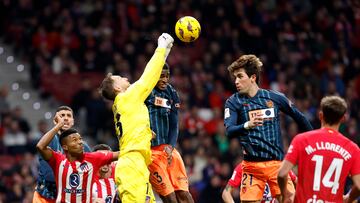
(74, 179)
(105, 189)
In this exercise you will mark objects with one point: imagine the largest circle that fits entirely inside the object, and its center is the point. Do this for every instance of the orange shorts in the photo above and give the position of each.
(254, 177)
(40, 199)
(165, 178)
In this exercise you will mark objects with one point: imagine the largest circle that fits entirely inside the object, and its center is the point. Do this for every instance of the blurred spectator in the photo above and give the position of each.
(22, 122)
(4, 103)
(14, 139)
(81, 96)
(42, 128)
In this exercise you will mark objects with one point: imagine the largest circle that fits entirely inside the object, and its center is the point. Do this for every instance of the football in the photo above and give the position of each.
(187, 29)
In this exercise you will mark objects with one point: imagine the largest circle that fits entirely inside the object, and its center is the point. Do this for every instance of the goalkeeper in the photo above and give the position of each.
(132, 125)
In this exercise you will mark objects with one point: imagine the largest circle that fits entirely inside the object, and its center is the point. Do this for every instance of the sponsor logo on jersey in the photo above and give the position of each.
(263, 113)
(74, 180)
(315, 200)
(227, 113)
(162, 102)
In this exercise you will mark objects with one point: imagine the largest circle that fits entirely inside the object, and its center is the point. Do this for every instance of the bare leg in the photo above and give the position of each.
(184, 196)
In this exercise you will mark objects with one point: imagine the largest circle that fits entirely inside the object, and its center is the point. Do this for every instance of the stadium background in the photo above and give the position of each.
(309, 49)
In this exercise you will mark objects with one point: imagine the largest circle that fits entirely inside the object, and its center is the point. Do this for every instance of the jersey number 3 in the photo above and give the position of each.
(118, 126)
(334, 168)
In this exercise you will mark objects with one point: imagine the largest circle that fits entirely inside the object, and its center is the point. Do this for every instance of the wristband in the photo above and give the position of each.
(246, 125)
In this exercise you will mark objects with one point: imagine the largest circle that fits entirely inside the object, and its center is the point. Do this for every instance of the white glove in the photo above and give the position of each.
(165, 41)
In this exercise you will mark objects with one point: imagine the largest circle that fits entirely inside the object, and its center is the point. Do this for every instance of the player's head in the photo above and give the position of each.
(112, 85)
(68, 115)
(102, 147)
(332, 110)
(164, 78)
(105, 148)
(71, 141)
(246, 69)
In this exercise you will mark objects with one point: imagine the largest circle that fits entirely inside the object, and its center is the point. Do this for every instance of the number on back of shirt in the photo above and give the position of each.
(118, 125)
(333, 170)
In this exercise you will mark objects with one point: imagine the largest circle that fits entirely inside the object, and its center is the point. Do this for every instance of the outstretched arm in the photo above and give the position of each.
(152, 72)
(115, 156)
(42, 145)
(288, 107)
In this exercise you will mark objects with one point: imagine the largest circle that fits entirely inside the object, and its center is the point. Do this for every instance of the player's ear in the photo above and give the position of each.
(321, 115)
(65, 147)
(343, 119)
(253, 77)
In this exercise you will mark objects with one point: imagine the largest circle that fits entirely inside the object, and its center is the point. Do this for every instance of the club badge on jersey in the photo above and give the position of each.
(108, 199)
(267, 198)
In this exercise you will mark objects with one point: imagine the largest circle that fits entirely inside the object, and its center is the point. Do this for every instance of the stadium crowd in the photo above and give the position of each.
(309, 49)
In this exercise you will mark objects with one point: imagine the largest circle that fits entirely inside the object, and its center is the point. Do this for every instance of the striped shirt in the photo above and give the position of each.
(74, 179)
(105, 189)
(264, 142)
(45, 184)
(163, 107)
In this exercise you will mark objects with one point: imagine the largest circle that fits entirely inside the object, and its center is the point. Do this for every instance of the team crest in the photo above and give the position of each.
(108, 199)
(270, 104)
(243, 189)
(84, 167)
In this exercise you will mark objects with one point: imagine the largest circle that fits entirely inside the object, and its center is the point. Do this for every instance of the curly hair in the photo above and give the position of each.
(250, 63)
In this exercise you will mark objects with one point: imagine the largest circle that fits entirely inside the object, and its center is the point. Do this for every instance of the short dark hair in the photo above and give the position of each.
(166, 67)
(333, 108)
(60, 108)
(106, 88)
(66, 133)
(101, 147)
(250, 63)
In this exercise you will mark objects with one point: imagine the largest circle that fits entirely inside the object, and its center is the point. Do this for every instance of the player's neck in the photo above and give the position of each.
(253, 90)
(73, 157)
(334, 127)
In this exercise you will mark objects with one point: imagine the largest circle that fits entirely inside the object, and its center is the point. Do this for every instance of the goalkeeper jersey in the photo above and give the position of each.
(131, 115)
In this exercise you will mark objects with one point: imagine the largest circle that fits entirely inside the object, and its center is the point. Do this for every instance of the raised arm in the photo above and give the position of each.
(42, 145)
(152, 72)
